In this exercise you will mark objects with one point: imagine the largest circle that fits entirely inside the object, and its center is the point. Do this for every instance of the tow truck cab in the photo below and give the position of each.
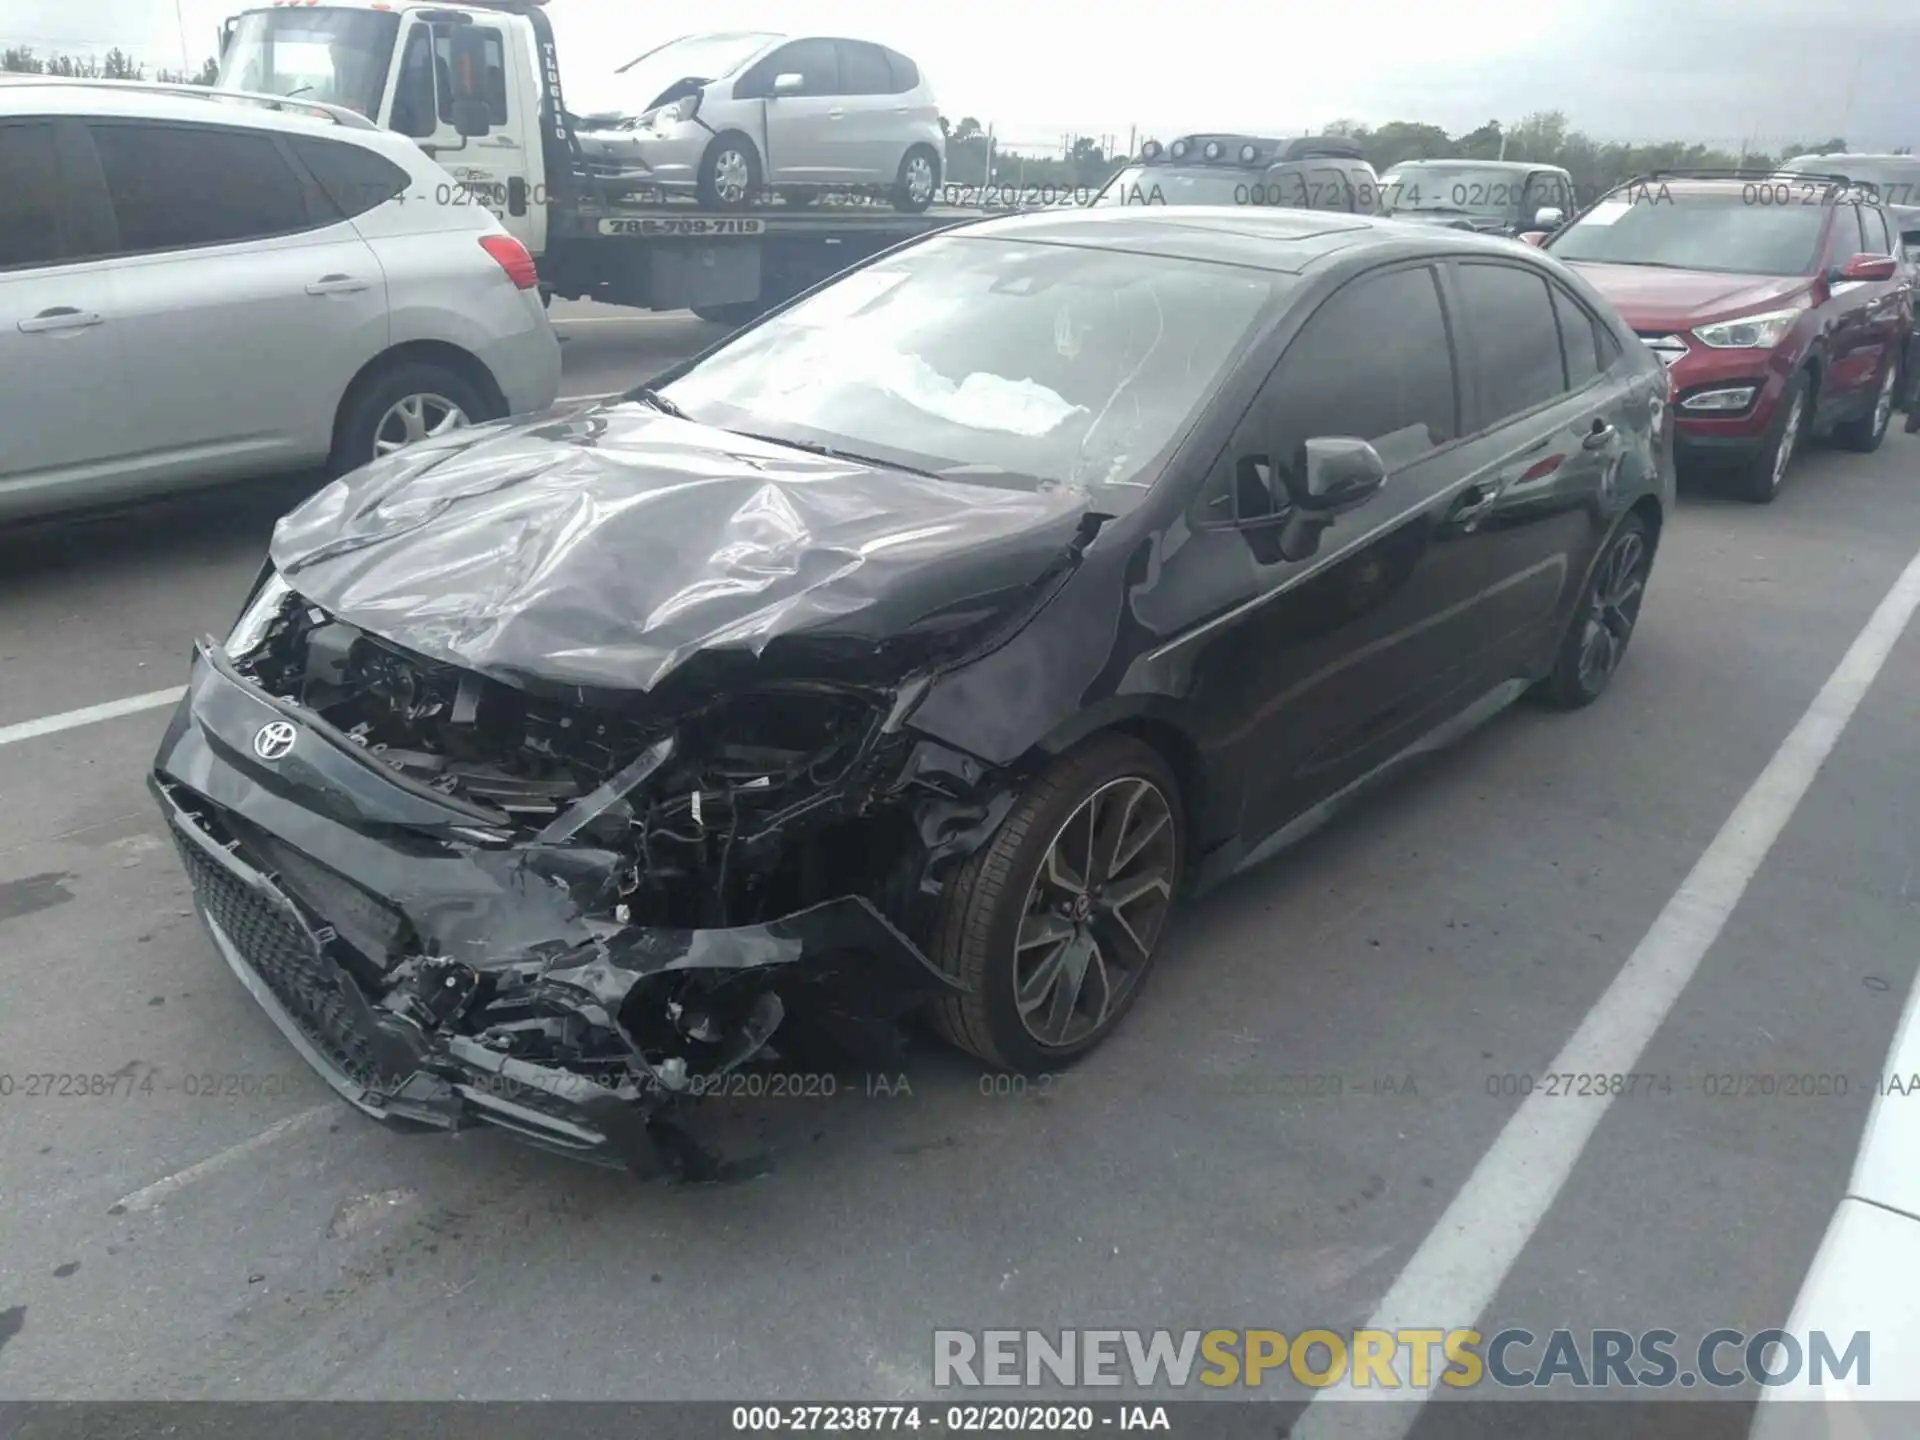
(1309, 172)
(476, 86)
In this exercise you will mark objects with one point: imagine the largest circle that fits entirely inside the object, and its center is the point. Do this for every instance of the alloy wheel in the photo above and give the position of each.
(1789, 439)
(919, 178)
(414, 418)
(731, 176)
(1612, 609)
(1883, 407)
(1094, 912)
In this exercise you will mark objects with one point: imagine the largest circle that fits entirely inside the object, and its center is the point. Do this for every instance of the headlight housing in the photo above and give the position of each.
(250, 630)
(1748, 332)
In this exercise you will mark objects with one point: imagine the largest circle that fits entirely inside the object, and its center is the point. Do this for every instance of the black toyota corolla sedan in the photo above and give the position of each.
(912, 650)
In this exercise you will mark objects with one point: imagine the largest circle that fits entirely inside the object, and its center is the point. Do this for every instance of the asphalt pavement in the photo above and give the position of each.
(1315, 1073)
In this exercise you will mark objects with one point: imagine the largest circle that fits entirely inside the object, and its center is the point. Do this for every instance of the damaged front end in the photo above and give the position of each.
(559, 913)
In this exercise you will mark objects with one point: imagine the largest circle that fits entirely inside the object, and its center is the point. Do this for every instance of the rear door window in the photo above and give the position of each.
(178, 187)
(1579, 339)
(31, 211)
(1516, 339)
(863, 69)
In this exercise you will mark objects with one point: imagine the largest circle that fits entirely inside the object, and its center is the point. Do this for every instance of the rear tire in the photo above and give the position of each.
(1863, 436)
(1604, 621)
(1763, 476)
(1043, 908)
(378, 412)
(917, 181)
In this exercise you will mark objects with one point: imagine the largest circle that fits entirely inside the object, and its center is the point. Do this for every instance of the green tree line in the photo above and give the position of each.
(116, 64)
(1543, 138)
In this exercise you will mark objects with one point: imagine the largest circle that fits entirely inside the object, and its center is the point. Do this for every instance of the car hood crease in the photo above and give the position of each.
(604, 548)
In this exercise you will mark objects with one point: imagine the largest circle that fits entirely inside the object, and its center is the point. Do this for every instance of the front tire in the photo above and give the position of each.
(730, 173)
(1863, 436)
(1760, 482)
(1054, 924)
(400, 406)
(917, 181)
(1596, 641)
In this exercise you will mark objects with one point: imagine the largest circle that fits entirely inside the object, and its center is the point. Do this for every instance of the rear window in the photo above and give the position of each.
(354, 178)
(1702, 230)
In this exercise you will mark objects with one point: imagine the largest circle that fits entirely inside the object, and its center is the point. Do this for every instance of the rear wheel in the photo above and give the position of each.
(917, 180)
(1055, 923)
(1764, 474)
(400, 406)
(1596, 641)
(1865, 434)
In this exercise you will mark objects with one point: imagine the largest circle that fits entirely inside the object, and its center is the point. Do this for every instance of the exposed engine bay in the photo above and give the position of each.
(707, 804)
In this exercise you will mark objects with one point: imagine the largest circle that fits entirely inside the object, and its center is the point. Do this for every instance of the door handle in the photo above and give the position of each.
(1474, 502)
(60, 317)
(1599, 437)
(836, 114)
(336, 285)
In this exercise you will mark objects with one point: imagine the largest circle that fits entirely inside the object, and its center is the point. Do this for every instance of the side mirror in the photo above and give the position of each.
(467, 69)
(1870, 267)
(1535, 238)
(1549, 217)
(1340, 473)
(791, 83)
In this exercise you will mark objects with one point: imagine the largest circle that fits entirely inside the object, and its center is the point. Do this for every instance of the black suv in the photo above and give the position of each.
(1312, 172)
(1491, 197)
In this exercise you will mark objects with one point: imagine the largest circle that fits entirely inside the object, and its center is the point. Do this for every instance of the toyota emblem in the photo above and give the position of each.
(274, 741)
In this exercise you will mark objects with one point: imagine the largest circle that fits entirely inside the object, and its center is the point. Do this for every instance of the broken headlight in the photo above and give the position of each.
(250, 630)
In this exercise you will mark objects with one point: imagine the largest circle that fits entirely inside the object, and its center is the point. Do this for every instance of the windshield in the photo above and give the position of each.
(1718, 231)
(1489, 192)
(993, 361)
(1897, 178)
(336, 57)
(1163, 185)
(693, 57)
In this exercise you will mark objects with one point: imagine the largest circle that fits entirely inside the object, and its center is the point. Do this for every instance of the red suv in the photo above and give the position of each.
(1776, 303)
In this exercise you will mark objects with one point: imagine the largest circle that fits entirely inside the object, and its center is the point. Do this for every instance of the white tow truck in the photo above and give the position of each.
(477, 86)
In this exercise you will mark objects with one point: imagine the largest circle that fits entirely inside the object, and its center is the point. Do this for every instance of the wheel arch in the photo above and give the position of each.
(1155, 722)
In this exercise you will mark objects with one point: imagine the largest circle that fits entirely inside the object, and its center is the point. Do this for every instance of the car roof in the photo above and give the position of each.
(1280, 240)
(1514, 165)
(136, 100)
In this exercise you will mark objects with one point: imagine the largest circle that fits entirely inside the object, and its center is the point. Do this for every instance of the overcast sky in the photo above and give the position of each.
(1712, 70)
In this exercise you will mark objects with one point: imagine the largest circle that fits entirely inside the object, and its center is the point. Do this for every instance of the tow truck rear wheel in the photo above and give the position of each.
(1053, 925)
(730, 173)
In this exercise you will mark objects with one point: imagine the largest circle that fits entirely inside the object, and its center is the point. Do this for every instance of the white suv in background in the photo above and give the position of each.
(198, 287)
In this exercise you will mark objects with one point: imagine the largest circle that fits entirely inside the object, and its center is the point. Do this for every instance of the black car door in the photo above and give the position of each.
(1314, 667)
(1553, 416)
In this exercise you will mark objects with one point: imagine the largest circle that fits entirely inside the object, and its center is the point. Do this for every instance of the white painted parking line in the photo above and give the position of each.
(1459, 1267)
(72, 719)
(160, 1191)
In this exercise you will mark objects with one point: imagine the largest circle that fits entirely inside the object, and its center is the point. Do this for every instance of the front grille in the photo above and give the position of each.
(308, 985)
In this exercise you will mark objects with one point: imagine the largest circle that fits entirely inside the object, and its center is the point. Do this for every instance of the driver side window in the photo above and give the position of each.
(1374, 362)
(814, 60)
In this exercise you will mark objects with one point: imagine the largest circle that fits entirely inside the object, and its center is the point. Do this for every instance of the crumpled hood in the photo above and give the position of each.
(604, 547)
